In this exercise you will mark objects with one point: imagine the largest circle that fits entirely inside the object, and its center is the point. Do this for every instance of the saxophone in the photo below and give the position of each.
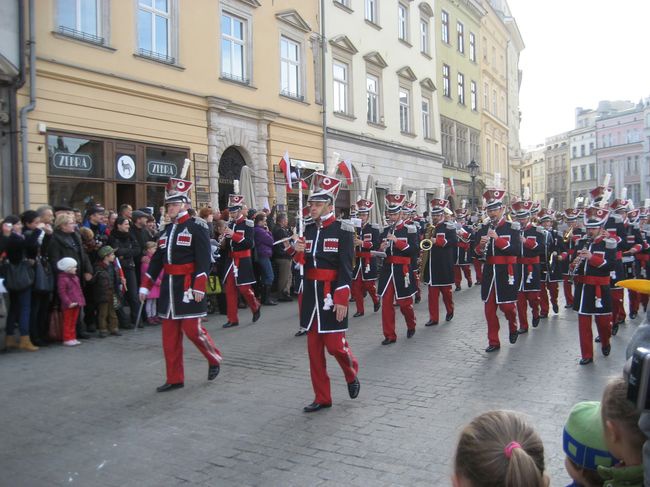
(425, 246)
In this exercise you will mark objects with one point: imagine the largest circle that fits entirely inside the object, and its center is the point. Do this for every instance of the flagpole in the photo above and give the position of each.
(300, 208)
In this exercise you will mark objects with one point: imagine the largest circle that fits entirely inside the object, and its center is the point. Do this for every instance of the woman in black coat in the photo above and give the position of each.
(127, 250)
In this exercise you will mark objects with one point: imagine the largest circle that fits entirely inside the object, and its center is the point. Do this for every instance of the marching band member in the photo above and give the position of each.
(439, 269)
(306, 220)
(595, 257)
(409, 215)
(364, 274)
(573, 233)
(634, 241)
(326, 251)
(397, 279)
(462, 255)
(239, 275)
(551, 271)
(498, 242)
(184, 254)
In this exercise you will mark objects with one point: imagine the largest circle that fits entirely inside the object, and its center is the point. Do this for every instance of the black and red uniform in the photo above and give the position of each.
(551, 271)
(364, 274)
(616, 229)
(397, 279)
(635, 242)
(439, 271)
(532, 247)
(184, 255)
(463, 257)
(567, 257)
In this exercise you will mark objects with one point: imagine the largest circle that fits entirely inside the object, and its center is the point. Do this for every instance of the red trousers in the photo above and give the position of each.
(388, 312)
(172, 340)
(466, 270)
(604, 325)
(336, 345)
(478, 268)
(618, 309)
(546, 289)
(70, 317)
(568, 290)
(525, 298)
(434, 293)
(358, 288)
(231, 298)
(508, 309)
(634, 299)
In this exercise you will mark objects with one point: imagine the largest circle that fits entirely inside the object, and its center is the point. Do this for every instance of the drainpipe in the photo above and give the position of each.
(28, 108)
(323, 65)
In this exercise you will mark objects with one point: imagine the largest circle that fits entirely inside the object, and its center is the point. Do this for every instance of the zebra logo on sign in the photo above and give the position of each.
(126, 167)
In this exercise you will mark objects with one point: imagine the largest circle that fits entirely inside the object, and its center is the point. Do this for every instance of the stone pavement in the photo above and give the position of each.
(90, 415)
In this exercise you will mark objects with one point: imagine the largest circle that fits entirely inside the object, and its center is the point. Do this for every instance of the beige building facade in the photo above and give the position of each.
(123, 98)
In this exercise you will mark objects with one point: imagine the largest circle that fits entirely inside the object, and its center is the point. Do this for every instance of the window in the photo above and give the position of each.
(574, 152)
(494, 102)
(582, 150)
(290, 68)
(473, 101)
(448, 145)
(488, 152)
(445, 27)
(424, 36)
(583, 173)
(472, 47)
(345, 3)
(81, 19)
(371, 11)
(372, 94)
(426, 118)
(486, 97)
(592, 171)
(461, 144)
(154, 30)
(474, 145)
(233, 48)
(404, 110)
(402, 22)
(461, 88)
(446, 84)
(460, 34)
(341, 87)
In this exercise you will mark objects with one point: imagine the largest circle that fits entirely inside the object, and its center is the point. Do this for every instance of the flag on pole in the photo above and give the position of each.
(285, 167)
(452, 188)
(345, 167)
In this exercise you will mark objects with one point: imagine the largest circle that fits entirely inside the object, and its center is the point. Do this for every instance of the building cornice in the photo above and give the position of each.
(294, 19)
(219, 104)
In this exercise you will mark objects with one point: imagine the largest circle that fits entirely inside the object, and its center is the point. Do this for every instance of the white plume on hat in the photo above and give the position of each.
(550, 203)
(66, 264)
(397, 187)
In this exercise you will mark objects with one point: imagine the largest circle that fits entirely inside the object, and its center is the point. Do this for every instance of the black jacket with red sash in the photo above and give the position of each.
(329, 246)
(592, 278)
(532, 249)
(569, 249)
(397, 267)
(634, 241)
(551, 270)
(616, 229)
(439, 270)
(238, 255)
(463, 254)
(184, 255)
(365, 262)
(500, 271)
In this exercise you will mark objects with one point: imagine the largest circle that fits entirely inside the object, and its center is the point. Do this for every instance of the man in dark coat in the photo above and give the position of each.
(439, 271)
(570, 239)
(364, 274)
(551, 271)
(184, 254)
(498, 243)
(326, 252)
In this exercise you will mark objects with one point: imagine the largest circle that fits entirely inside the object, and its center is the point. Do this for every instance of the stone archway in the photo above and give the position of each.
(230, 165)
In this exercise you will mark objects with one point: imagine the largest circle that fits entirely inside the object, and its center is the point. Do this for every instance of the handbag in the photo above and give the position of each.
(55, 327)
(19, 276)
(43, 276)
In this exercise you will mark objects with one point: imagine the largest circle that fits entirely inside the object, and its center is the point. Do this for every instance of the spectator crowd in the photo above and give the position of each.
(72, 275)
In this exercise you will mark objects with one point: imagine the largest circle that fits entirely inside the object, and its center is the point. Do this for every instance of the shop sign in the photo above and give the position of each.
(125, 167)
(74, 162)
(160, 168)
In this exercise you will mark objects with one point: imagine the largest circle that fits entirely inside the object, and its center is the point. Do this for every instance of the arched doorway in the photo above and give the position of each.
(230, 166)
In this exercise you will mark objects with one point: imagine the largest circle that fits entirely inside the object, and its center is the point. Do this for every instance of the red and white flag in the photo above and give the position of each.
(345, 167)
(285, 167)
(452, 188)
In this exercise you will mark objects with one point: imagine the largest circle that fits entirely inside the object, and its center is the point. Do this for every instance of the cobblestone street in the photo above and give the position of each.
(90, 415)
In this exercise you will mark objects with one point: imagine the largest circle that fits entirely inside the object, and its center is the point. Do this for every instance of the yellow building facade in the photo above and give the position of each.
(126, 91)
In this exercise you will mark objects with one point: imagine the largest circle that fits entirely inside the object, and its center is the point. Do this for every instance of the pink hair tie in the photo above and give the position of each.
(509, 447)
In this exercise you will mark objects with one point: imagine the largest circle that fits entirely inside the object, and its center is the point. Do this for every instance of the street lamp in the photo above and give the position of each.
(473, 172)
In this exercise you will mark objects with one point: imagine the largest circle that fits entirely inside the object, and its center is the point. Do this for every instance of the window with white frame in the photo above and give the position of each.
(473, 96)
(460, 34)
(461, 88)
(486, 97)
(155, 29)
(340, 73)
(446, 83)
(233, 47)
(372, 95)
(371, 11)
(424, 36)
(81, 19)
(472, 47)
(290, 68)
(345, 3)
(403, 22)
(444, 16)
(404, 110)
(426, 118)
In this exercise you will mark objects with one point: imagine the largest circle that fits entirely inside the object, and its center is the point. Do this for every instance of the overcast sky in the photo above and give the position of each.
(577, 53)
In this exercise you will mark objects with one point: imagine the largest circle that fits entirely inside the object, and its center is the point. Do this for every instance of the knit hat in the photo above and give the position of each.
(66, 264)
(104, 251)
(584, 438)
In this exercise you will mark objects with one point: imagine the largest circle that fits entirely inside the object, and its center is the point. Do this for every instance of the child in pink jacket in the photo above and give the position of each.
(154, 294)
(71, 297)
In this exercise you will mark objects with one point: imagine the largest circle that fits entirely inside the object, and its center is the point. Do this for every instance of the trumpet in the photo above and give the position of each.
(568, 235)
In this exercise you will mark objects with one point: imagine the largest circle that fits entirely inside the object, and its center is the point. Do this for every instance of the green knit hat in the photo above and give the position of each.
(104, 251)
(584, 437)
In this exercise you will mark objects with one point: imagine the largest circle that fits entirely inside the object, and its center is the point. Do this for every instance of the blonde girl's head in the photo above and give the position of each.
(620, 417)
(150, 248)
(499, 448)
